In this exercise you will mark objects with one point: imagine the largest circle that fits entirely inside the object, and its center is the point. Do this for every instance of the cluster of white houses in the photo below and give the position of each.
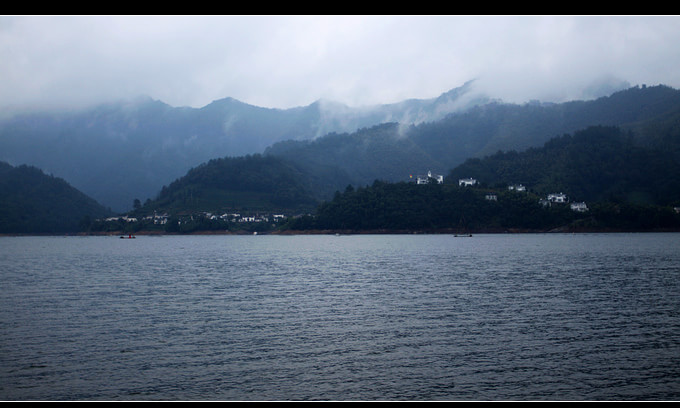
(121, 218)
(563, 199)
(162, 219)
(158, 219)
(244, 218)
(551, 198)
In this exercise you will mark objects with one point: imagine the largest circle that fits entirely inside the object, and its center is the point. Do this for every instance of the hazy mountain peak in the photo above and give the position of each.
(604, 86)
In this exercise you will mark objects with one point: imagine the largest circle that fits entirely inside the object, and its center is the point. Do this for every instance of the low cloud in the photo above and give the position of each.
(288, 61)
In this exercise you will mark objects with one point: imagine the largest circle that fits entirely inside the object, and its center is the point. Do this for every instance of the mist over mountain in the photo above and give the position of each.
(126, 150)
(132, 150)
(395, 152)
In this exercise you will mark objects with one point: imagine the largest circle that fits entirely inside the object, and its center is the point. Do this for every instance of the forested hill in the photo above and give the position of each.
(594, 164)
(409, 207)
(392, 152)
(246, 183)
(33, 202)
(296, 174)
(358, 158)
(627, 187)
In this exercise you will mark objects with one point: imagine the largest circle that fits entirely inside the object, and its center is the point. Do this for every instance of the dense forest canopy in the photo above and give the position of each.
(250, 182)
(627, 187)
(33, 202)
(410, 207)
(595, 164)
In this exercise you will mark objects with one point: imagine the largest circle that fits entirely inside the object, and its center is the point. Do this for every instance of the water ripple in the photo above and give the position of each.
(492, 317)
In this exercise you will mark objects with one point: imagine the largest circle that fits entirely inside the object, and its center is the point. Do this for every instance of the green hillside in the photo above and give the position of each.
(595, 164)
(626, 187)
(33, 202)
(250, 183)
(433, 207)
(379, 152)
(409, 207)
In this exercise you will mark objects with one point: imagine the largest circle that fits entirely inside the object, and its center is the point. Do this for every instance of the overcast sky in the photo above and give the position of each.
(288, 61)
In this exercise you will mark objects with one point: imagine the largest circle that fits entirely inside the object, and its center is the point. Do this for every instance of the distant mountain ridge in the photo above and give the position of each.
(120, 151)
(635, 157)
(394, 152)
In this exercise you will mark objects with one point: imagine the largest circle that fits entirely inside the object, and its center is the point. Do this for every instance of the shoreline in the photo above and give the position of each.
(445, 231)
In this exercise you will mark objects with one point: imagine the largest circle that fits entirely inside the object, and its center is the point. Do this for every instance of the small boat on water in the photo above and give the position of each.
(130, 236)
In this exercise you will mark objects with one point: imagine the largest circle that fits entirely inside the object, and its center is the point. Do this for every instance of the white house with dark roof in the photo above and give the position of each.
(580, 207)
(467, 182)
(557, 198)
(426, 179)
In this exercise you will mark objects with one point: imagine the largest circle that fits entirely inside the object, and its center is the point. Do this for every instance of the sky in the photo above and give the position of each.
(287, 61)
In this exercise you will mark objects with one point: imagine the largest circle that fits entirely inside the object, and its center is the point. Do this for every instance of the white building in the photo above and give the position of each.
(557, 198)
(124, 218)
(426, 179)
(580, 207)
(467, 182)
(517, 187)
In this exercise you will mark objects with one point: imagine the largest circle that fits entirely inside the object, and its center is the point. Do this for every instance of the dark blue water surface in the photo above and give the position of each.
(362, 317)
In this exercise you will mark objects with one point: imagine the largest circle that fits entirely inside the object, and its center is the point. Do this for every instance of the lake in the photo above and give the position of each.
(343, 318)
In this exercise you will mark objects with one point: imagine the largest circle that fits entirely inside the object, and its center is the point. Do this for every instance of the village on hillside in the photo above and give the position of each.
(162, 219)
(254, 222)
(553, 198)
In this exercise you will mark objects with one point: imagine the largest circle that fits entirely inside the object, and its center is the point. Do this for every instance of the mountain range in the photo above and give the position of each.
(121, 151)
(395, 152)
(145, 149)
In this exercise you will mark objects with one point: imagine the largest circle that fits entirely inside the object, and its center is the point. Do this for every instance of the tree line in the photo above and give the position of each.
(411, 207)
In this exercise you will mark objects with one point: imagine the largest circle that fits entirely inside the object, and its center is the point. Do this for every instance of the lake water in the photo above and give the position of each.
(357, 317)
